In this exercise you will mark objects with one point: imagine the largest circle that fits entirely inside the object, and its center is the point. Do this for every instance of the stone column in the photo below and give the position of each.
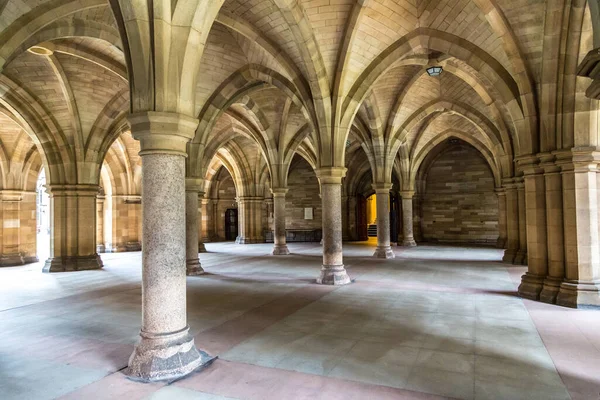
(384, 249)
(200, 202)
(165, 350)
(554, 236)
(72, 228)
(133, 205)
(512, 221)
(502, 229)
(192, 262)
(250, 220)
(207, 220)
(280, 246)
(581, 286)
(100, 223)
(521, 256)
(345, 219)
(408, 239)
(11, 222)
(352, 215)
(332, 271)
(537, 252)
(28, 228)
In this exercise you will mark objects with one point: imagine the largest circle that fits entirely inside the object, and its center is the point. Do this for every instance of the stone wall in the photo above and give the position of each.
(459, 204)
(303, 193)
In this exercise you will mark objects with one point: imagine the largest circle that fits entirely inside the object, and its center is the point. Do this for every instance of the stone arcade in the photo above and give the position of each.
(222, 148)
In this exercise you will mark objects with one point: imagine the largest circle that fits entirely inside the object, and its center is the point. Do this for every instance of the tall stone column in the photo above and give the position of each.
(537, 251)
(581, 286)
(10, 254)
(408, 239)
(554, 236)
(280, 246)
(521, 256)
(345, 219)
(192, 187)
(512, 221)
(72, 228)
(384, 249)
(332, 271)
(207, 220)
(165, 350)
(250, 220)
(502, 229)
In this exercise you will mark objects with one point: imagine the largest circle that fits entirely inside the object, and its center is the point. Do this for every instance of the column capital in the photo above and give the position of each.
(500, 191)
(407, 194)
(331, 175)
(382, 187)
(162, 132)
(73, 190)
(9, 195)
(279, 192)
(194, 185)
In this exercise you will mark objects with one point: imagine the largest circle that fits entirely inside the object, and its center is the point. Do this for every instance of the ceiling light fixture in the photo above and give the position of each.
(434, 71)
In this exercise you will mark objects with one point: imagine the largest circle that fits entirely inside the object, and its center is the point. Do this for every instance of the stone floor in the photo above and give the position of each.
(435, 322)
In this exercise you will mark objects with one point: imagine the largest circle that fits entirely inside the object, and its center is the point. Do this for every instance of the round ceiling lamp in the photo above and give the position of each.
(434, 71)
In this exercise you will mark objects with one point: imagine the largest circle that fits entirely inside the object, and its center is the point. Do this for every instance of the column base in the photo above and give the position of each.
(201, 248)
(384, 252)
(68, 264)
(520, 258)
(30, 259)
(193, 267)
(333, 275)
(243, 240)
(11, 260)
(133, 246)
(576, 294)
(281, 250)
(509, 256)
(550, 290)
(100, 248)
(531, 286)
(500, 243)
(165, 357)
(409, 243)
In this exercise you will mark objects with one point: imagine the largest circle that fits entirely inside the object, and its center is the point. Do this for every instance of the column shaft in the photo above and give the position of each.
(502, 227)
(384, 249)
(555, 238)
(512, 222)
(537, 251)
(408, 239)
(521, 256)
(10, 253)
(279, 239)
(332, 271)
(192, 262)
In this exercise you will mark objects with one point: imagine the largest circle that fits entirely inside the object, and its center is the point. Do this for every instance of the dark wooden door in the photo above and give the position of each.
(231, 224)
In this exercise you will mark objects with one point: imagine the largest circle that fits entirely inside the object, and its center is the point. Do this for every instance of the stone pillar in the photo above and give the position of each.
(192, 262)
(554, 233)
(72, 228)
(502, 229)
(512, 221)
(11, 222)
(28, 228)
(521, 256)
(207, 220)
(280, 246)
(133, 208)
(537, 251)
(100, 223)
(165, 350)
(332, 271)
(345, 219)
(200, 202)
(352, 215)
(250, 220)
(581, 286)
(408, 239)
(384, 249)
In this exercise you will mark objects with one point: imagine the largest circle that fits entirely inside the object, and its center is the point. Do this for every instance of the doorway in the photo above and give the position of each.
(231, 224)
